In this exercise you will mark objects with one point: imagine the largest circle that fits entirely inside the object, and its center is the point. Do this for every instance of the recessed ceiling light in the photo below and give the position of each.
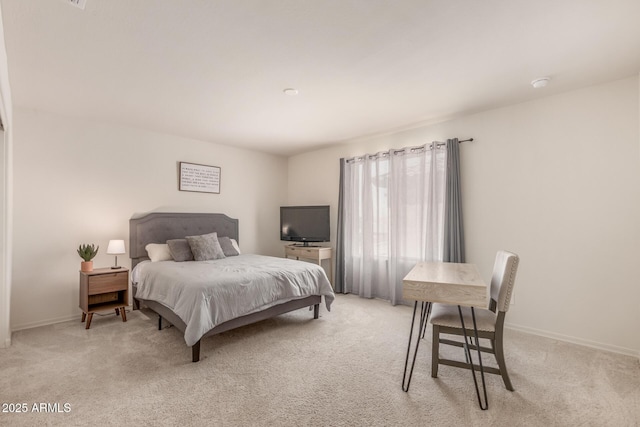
(541, 82)
(80, 4)
(291, 91)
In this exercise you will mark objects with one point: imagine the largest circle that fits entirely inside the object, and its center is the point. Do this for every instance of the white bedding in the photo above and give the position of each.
(205, 294)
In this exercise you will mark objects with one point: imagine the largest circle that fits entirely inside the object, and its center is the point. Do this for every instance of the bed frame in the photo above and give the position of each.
(158, 227)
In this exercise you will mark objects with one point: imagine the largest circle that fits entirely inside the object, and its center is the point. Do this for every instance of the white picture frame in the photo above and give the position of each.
(199, 178)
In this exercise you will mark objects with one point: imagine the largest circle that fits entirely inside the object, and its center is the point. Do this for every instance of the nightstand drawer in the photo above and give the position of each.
(316, 253)
(110, 282)
(291, 251)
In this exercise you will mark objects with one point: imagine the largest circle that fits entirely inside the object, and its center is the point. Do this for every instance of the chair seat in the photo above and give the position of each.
(447, 315)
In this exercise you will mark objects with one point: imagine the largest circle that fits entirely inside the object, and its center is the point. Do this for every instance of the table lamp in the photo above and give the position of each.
(116, 247)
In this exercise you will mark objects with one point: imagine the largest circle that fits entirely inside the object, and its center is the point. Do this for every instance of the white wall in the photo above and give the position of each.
(555, 180)
(80, 182)
(6, 112)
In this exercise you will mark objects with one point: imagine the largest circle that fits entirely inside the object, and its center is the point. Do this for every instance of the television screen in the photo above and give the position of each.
(304, 224)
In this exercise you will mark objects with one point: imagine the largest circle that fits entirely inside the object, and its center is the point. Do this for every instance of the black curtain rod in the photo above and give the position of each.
(439, 144)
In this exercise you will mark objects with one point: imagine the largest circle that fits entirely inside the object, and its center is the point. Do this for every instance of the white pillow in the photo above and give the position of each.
(158, 252)
(235, 245)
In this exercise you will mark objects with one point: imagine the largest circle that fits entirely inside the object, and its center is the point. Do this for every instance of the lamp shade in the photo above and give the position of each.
(116, 247)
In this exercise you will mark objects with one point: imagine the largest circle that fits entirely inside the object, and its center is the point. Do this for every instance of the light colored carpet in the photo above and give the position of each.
(344, 369)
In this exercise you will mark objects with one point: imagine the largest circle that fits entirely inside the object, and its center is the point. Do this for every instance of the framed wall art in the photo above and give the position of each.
(199, 178)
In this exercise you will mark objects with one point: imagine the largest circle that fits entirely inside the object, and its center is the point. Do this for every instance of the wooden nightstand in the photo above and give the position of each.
(312, 253)
(104, 289)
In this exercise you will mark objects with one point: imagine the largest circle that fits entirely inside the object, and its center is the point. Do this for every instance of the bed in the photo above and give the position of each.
(205, 298)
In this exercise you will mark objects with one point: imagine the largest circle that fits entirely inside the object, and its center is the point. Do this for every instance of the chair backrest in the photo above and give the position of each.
(503, 278)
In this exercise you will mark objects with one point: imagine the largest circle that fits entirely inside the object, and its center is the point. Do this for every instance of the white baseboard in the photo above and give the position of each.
(30, 325)
(566, 338)
(6, 343)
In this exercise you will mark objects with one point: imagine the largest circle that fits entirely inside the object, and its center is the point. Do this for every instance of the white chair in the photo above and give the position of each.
(490, 323)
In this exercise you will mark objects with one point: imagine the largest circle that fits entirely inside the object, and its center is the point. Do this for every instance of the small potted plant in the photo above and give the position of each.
(87, 253)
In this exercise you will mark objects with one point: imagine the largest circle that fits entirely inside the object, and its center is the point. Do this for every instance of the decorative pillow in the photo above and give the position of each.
(205, 247)
(180, 250)
(158, 252)
(227, 246)
(234, 242)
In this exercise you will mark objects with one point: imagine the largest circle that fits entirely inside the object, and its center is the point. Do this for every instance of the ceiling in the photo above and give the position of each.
(215, 70)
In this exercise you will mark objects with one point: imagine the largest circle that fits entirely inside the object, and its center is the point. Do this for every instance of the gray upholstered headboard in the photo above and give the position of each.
(158, 227)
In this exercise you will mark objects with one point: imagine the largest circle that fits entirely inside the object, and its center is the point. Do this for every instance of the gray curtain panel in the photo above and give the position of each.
(453, 227)
(339, 282)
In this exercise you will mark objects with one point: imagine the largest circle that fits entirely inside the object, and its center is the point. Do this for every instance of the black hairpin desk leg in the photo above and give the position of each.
(467, 350)
(424, 315)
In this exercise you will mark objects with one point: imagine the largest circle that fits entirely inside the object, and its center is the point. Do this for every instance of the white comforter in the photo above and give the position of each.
(207, 293)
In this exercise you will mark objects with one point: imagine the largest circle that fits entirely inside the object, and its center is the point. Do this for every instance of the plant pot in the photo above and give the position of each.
(86, 266)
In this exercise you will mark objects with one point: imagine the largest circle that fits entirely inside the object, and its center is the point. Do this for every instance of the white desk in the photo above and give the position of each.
(447, 283)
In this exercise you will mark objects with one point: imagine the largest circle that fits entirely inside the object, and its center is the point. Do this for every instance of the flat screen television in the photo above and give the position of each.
(304, 224)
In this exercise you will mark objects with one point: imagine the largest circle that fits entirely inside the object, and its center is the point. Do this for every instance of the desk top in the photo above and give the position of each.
(447, 283)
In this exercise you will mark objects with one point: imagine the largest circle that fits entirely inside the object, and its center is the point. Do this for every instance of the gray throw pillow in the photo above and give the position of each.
(180, 250)
(205, 247)
(227, 246)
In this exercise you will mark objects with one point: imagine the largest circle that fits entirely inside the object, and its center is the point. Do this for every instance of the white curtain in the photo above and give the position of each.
(393, 217)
